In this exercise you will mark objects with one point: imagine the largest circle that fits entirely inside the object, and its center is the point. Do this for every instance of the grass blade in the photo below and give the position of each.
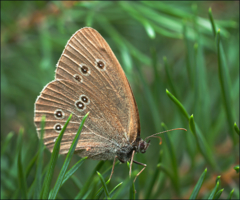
(236, 128)
(71, 171)
(218, 194)
(76, 182)
(132, 194)
(38, 178)
(168, 173)
(201, 142)
(110, 167)
(170, 80)
(198, 185)
(225, 84)
(125, 185)
(196, 75)
(150, 99)
(230, 194)
(21, 176)
(32, 187)
(6, 142)
(179, 105)
(85, 188)
(201, 93)
(31, 164)
(212, 21)
(99, 192)
(104, 185)
(173, 160)
(127, 60)
(48, 178)
(212, 195)
(91, 189)
(132, 187)
(188, 56)
(218, 178)
(237, 168)
(161, 20)
(154, 177)
(88, 192)
(116, 187)
(155, 66)
(149, 29)
(135, 14)
(66, 163)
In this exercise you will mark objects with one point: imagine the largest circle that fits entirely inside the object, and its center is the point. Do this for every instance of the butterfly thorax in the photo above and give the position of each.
(124, 154)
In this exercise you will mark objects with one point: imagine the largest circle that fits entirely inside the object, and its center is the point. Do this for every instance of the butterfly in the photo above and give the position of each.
(89, 78)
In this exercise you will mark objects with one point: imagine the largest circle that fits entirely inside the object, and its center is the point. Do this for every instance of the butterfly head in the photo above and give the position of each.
(143, 146)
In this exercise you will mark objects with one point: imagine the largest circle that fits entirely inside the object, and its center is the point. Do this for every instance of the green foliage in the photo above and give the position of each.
(48, 178)
(225, 83)
(230, 194)
(104, 185)
(237, 168)
(186, 47)
(21, 175)
(213, 193)
(198, 185)
(62, 173)
(218, 194)
(39, 158)
(236, 128)
(62, 177)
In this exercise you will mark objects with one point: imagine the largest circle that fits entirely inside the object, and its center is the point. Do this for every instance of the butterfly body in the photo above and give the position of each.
(89, 78)
(125, 153)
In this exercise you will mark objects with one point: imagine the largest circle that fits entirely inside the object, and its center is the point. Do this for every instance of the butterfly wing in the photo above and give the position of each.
(84, 49)
(57, 101)
(88, 68)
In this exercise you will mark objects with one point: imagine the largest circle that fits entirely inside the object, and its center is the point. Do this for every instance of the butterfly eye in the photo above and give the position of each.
(142, 146)
(143, 151)
(59, 114)
(58, 127)
(80, 106)
(100, 64)
(84, 69)
(77, 78)
(84, 99)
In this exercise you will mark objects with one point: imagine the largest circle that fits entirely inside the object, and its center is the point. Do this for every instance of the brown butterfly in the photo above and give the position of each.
(89, 78)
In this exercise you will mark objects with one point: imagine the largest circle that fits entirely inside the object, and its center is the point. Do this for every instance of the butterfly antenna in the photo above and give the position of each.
(165, 132)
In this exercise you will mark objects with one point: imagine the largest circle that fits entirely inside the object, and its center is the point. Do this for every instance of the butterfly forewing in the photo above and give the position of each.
(85, 48)
(89, 78)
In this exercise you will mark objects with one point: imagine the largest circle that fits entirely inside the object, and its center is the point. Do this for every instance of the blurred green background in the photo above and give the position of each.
(160, 45)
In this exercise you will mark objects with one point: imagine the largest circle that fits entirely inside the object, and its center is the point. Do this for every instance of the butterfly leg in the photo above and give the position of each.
(113, 167)
(130, 171)
(144, 166)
